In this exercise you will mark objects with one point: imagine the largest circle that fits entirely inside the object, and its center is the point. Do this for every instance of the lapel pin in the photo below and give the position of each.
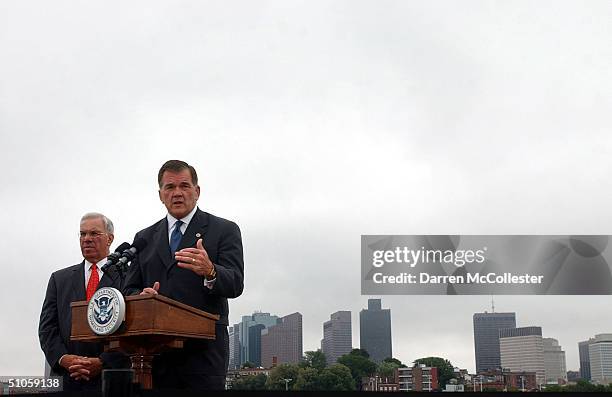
(198, 235)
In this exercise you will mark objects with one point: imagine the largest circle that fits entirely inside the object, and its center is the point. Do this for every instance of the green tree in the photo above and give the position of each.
(395, 361)
(554, 388)
(338, 377)
(585, 386)
(445, 369)
(276, 380)
(361, 352)
(250, 382)
(307, 379)
(335, 378)
(359, 363)
(386, 369)
(314, 359)
(248, 364)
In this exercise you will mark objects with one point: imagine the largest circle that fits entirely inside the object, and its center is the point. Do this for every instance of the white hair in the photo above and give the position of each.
(108, 224)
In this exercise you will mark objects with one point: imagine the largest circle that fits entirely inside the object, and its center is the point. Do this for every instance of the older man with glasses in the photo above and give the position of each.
(79, 363)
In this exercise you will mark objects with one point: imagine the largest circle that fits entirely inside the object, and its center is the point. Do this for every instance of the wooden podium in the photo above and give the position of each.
(153, 324)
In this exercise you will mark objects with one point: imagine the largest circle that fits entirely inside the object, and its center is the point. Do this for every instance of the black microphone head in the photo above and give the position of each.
(130, 254)
(139, 243)
(122, 247)
(113, 257)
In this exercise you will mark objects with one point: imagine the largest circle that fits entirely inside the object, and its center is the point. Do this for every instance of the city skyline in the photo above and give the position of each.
(471, 366)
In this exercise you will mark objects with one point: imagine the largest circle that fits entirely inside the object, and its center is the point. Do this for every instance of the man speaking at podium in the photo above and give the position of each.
(195, 258)
(79, 363)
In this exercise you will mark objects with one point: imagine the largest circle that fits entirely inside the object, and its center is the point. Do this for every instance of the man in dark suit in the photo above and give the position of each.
(195, 258)
(79, 363)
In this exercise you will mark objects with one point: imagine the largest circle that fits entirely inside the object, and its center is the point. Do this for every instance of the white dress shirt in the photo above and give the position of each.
(186, 219)
(88, 270)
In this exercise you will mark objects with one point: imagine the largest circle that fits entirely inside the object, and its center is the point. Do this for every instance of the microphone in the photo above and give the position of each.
(129, 254)
(115, 256)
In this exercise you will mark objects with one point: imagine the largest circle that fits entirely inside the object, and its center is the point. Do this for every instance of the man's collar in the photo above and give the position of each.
(186, 219)
(98, 264)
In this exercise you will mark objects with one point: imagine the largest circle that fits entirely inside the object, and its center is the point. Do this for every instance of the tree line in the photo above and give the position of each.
(313, 373)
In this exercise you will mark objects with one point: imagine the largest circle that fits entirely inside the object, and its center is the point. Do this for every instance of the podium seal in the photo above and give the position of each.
(106, 311)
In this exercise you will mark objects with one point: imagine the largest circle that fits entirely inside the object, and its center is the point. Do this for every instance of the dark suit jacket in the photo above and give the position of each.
(223, 244)
(66, 286)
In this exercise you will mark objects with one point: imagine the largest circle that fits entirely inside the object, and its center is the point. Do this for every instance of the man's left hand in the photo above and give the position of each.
(195, 259)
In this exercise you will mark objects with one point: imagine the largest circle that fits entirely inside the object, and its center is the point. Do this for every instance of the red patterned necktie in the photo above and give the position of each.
(92, 284)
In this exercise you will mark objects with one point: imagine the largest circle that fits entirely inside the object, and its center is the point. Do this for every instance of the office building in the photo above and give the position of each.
(255, 344)
(585, 362)
(573, 376)
(486, 338)
(498, 380)
(523, 381)
(337, 336)
(418, 378)
(234, 347)
(246, 338)
(375, 331)
(282, 343)
(521, 349)
(377, 382)
(600, 356)
(554, 362)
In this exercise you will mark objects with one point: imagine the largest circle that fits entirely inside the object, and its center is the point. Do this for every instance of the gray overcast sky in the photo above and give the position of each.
(310, 123)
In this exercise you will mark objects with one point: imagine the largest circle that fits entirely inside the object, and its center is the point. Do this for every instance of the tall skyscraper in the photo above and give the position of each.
(554, 361)
(337, 336)
(282, 343)
(486, 338)
(255, 344)
(521, 349)
(585, 361)
(600, 355)
(234, 347)
(375, 331)
(247, 322)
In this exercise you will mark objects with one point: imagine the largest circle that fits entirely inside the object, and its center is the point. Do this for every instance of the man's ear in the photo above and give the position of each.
(198, 190)
(111, 237)
(159, 194)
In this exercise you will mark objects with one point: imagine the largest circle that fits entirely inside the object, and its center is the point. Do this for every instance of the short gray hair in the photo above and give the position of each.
(108, 224)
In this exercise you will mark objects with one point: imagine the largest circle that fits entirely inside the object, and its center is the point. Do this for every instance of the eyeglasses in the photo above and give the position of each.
(93, 234)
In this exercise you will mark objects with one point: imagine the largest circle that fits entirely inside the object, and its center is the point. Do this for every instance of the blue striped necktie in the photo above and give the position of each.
(175, 238)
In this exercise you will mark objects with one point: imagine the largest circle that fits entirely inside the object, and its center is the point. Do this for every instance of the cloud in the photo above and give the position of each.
(310, 124)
